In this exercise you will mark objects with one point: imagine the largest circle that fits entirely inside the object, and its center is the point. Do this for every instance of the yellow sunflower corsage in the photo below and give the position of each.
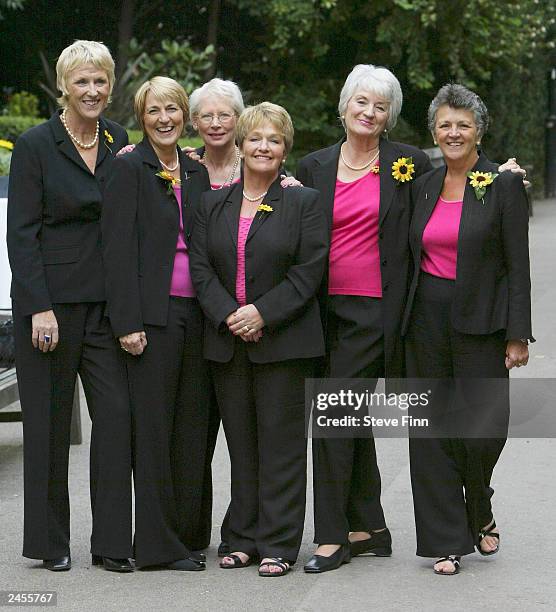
(264, 208)
(108, 136)
(170, 180)
(480, 181)
(6, 144)
(403, 169)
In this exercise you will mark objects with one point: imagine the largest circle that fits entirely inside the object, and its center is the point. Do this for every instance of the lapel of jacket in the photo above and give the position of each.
(389, 153)
(188, 171)
(232, 208)
(64, 142)
(324, 177)
(272, 199)
(427, 201)
(104, 147)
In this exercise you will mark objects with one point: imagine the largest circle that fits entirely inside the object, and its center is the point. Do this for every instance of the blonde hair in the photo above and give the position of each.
(78, 54)
(254, 116)
(162, 88)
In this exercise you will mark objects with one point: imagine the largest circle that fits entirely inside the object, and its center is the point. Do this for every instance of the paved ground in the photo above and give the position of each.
(520, 578)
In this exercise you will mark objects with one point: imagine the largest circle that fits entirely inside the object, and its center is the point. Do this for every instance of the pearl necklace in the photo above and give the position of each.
(168, 167)
(80, 144)
(354, 168)
(255, 199)
(228, 182)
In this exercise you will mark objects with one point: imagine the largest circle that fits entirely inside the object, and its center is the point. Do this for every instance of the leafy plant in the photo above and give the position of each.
(23, 104)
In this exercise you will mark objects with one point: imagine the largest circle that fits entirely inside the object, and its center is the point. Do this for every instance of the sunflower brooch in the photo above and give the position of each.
(403, 169)
(169, 179)
(480, 181)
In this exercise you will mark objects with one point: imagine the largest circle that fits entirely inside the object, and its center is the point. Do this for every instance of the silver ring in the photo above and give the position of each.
(246, 328)
(124, 349)
(46, 338)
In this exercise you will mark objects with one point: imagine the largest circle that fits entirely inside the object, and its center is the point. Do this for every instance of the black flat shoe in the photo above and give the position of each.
(113, 565)
(186, 565)
(318, 564)
(198, 556)
(223, 549)
(61, 564)
(379, 545)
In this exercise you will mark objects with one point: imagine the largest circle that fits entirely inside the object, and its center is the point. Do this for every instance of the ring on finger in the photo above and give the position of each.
(246, 328)
(46, 338)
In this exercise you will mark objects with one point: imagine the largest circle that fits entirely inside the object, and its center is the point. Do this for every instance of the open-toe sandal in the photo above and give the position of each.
(454, 560)
(237, 562)
(483, 533)
(275, 562)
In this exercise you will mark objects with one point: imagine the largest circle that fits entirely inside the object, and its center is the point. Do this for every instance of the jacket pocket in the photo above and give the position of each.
(60, 255)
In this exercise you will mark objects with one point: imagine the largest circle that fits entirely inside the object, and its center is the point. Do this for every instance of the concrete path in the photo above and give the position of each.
(520, 578)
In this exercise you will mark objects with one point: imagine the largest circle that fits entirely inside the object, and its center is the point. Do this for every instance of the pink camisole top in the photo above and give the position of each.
(242, 233)
(181, 285)
(440, 240)
(354, 267)
(215, 186)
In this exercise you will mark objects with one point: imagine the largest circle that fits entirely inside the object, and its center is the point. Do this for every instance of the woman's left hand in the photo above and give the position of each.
(289, 181)
(514, 167)
(517, 354)
(245, 321)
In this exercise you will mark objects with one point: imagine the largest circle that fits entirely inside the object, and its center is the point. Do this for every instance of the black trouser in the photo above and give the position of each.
(171, 396)
(46, 387)
(346, 478)
(447, 520)
(262, 408)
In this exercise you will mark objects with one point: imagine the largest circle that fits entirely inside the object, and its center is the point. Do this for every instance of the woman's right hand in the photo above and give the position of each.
(44, 325)
(127, 149)
(134, 343)
(191, 152)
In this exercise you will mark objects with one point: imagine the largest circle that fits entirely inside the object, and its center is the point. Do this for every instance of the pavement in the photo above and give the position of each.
(519, 578)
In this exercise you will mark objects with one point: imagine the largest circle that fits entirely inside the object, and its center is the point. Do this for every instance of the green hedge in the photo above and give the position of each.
(136, 136)
(12, 127)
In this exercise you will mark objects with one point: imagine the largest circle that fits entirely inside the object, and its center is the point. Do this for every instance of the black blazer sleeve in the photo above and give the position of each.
(515, 223)
(120, 246)
(286, 300)
(215, 300)
(25, 217)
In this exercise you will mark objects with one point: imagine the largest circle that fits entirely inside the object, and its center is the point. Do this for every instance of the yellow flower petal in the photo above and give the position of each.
(6, 144)
(403, 169)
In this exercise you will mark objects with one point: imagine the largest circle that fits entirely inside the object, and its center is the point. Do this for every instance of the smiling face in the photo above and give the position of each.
(457, 135)
(216, 121)
(366, 114)
(263, 149)
(163, 121)
(88, 91)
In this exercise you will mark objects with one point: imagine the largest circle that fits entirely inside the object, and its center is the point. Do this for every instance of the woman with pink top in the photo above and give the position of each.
(147, 218)
(257, 259)
(468, 317)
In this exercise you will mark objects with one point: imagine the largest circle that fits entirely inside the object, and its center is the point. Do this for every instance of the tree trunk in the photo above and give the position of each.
(212, 35)
(125, 33)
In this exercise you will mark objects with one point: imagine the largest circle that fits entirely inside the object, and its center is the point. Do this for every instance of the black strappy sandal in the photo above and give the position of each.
(487, 531)
(454, 560)
(237, 562)
(275, 562)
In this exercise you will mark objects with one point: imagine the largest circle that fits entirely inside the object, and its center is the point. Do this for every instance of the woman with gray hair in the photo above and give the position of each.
(57, 184)
(468, 316)
(365, 183)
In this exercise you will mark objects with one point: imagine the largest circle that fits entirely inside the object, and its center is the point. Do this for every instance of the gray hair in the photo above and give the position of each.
(220, 89)
(377, 79)
(458, 96)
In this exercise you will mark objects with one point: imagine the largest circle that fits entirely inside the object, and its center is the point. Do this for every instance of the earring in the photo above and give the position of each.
(435, 143)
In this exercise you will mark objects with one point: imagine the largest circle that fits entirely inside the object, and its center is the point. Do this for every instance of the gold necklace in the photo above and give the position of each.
(355, 168)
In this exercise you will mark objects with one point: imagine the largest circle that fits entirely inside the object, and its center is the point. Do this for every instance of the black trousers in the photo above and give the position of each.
(46, 386)
(346, 478)
(170, 393)
(262, 408)
(450, 477)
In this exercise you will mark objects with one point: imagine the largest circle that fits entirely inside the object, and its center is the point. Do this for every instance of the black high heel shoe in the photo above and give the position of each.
(318, 564)
(113, 565)
(379, 545)
(60, 564)
(487, 531)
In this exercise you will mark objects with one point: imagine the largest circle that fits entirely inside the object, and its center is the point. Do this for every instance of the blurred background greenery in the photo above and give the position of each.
(298, 53)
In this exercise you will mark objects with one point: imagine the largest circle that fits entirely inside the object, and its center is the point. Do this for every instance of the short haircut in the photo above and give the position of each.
(162, 88)
(458, 96)
(216, 88)
(78, 54)
(378, 80)
(254, 116)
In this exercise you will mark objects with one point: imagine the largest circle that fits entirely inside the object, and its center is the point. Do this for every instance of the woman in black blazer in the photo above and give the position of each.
(468, 317)
(257, 260)
(146, 224)
(57, 184)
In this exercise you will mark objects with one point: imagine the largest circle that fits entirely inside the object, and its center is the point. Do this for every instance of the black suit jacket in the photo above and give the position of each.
(319, 170)
(140, 225)
(493, 286)
(54, 208)
(285, 253)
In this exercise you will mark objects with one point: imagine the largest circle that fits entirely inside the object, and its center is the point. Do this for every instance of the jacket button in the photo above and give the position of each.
(188, 235)
(251, 279)
(384, 262)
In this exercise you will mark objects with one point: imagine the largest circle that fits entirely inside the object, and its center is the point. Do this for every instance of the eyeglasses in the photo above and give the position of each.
(222, 118)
